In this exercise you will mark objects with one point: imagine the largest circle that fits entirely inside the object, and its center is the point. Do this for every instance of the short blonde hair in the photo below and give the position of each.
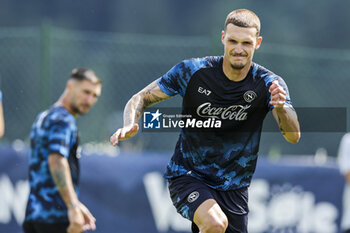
(243, 18)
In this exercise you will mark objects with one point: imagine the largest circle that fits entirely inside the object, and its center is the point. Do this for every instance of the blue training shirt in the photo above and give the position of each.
(223, 158)
(53, 131)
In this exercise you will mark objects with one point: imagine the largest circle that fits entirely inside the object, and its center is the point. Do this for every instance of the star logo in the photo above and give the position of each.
(151, 120)
(156, 115)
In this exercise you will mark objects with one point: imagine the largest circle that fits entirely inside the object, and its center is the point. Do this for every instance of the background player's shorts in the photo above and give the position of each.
(36, 227)
(188, 193)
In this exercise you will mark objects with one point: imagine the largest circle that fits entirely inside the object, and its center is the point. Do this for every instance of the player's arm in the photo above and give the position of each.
(133, 110)
(285, 115)
(79, 216)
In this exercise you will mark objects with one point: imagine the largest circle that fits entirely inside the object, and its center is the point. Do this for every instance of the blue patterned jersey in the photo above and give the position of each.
(53, 131)
(224, 158)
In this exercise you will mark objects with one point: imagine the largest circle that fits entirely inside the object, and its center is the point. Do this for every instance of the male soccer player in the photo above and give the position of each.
(210, 170)
(53, 204)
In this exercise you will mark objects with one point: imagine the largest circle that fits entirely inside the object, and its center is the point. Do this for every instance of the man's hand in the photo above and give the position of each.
(278, 95)
(124, 134)
(89, 219)
(80, 219)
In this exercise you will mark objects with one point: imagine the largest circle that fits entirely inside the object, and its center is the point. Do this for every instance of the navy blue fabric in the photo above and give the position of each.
(225, 158)
(188, 193)
(34, 227)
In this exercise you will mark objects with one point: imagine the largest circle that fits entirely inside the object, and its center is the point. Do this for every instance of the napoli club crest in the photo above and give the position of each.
(249, 96)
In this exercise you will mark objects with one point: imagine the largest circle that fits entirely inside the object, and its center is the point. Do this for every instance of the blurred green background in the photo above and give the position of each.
(131, 43)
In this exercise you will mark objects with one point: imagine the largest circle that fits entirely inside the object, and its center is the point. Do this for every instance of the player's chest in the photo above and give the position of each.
(214, 90)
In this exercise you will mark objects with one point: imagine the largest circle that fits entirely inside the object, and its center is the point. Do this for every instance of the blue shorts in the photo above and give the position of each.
(188, 193)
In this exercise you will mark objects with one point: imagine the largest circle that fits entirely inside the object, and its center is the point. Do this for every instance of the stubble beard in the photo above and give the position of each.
(77, 110)
(237, 66)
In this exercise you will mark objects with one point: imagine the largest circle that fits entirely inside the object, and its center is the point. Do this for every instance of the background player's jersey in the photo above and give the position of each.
(224, 158)
(53, 131)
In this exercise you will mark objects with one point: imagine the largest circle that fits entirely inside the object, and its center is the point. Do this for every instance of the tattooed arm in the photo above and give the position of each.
(79, 216)
(287, 121)
(133, 110)
(285, 116)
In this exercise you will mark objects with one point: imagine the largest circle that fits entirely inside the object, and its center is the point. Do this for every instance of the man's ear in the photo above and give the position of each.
(258, 42)
(222, 36)
(70, 84)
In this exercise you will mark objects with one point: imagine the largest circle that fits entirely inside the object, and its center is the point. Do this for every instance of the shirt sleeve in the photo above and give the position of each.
(176, 79)
(344, 154)
(60, 135)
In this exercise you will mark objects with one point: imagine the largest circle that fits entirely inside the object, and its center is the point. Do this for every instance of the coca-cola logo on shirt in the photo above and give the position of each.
(233, 112)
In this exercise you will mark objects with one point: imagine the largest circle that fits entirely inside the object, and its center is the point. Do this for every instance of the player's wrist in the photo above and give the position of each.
(72, 205)
(280, 108)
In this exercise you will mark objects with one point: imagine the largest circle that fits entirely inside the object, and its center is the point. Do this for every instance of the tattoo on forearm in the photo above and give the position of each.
(59, 177)
(72, 205)
(152, 95)
(148, 97)
(280, 126)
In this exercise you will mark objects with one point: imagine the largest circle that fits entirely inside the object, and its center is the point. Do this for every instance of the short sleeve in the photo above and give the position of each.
(344, 154)
(60, 135)
(176, 79)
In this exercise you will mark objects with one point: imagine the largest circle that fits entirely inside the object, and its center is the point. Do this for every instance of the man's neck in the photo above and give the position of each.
(63, 102)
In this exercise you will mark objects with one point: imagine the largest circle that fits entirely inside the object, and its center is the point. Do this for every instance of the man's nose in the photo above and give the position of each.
(238, 48)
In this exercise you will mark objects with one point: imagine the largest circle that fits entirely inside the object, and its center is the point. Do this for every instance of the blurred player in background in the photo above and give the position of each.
(2, 121)
(53, 205)
(211, 169)
(344, 166)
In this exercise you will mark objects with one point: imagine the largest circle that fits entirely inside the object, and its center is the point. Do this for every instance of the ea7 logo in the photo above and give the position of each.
(203, 91)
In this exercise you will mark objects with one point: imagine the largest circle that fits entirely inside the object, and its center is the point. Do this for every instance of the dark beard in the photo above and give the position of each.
(76, 110)
(237, 67)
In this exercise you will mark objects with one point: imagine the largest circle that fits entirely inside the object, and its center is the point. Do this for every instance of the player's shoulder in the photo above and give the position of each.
(261, 72)
(202, 62)
(58, 115)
